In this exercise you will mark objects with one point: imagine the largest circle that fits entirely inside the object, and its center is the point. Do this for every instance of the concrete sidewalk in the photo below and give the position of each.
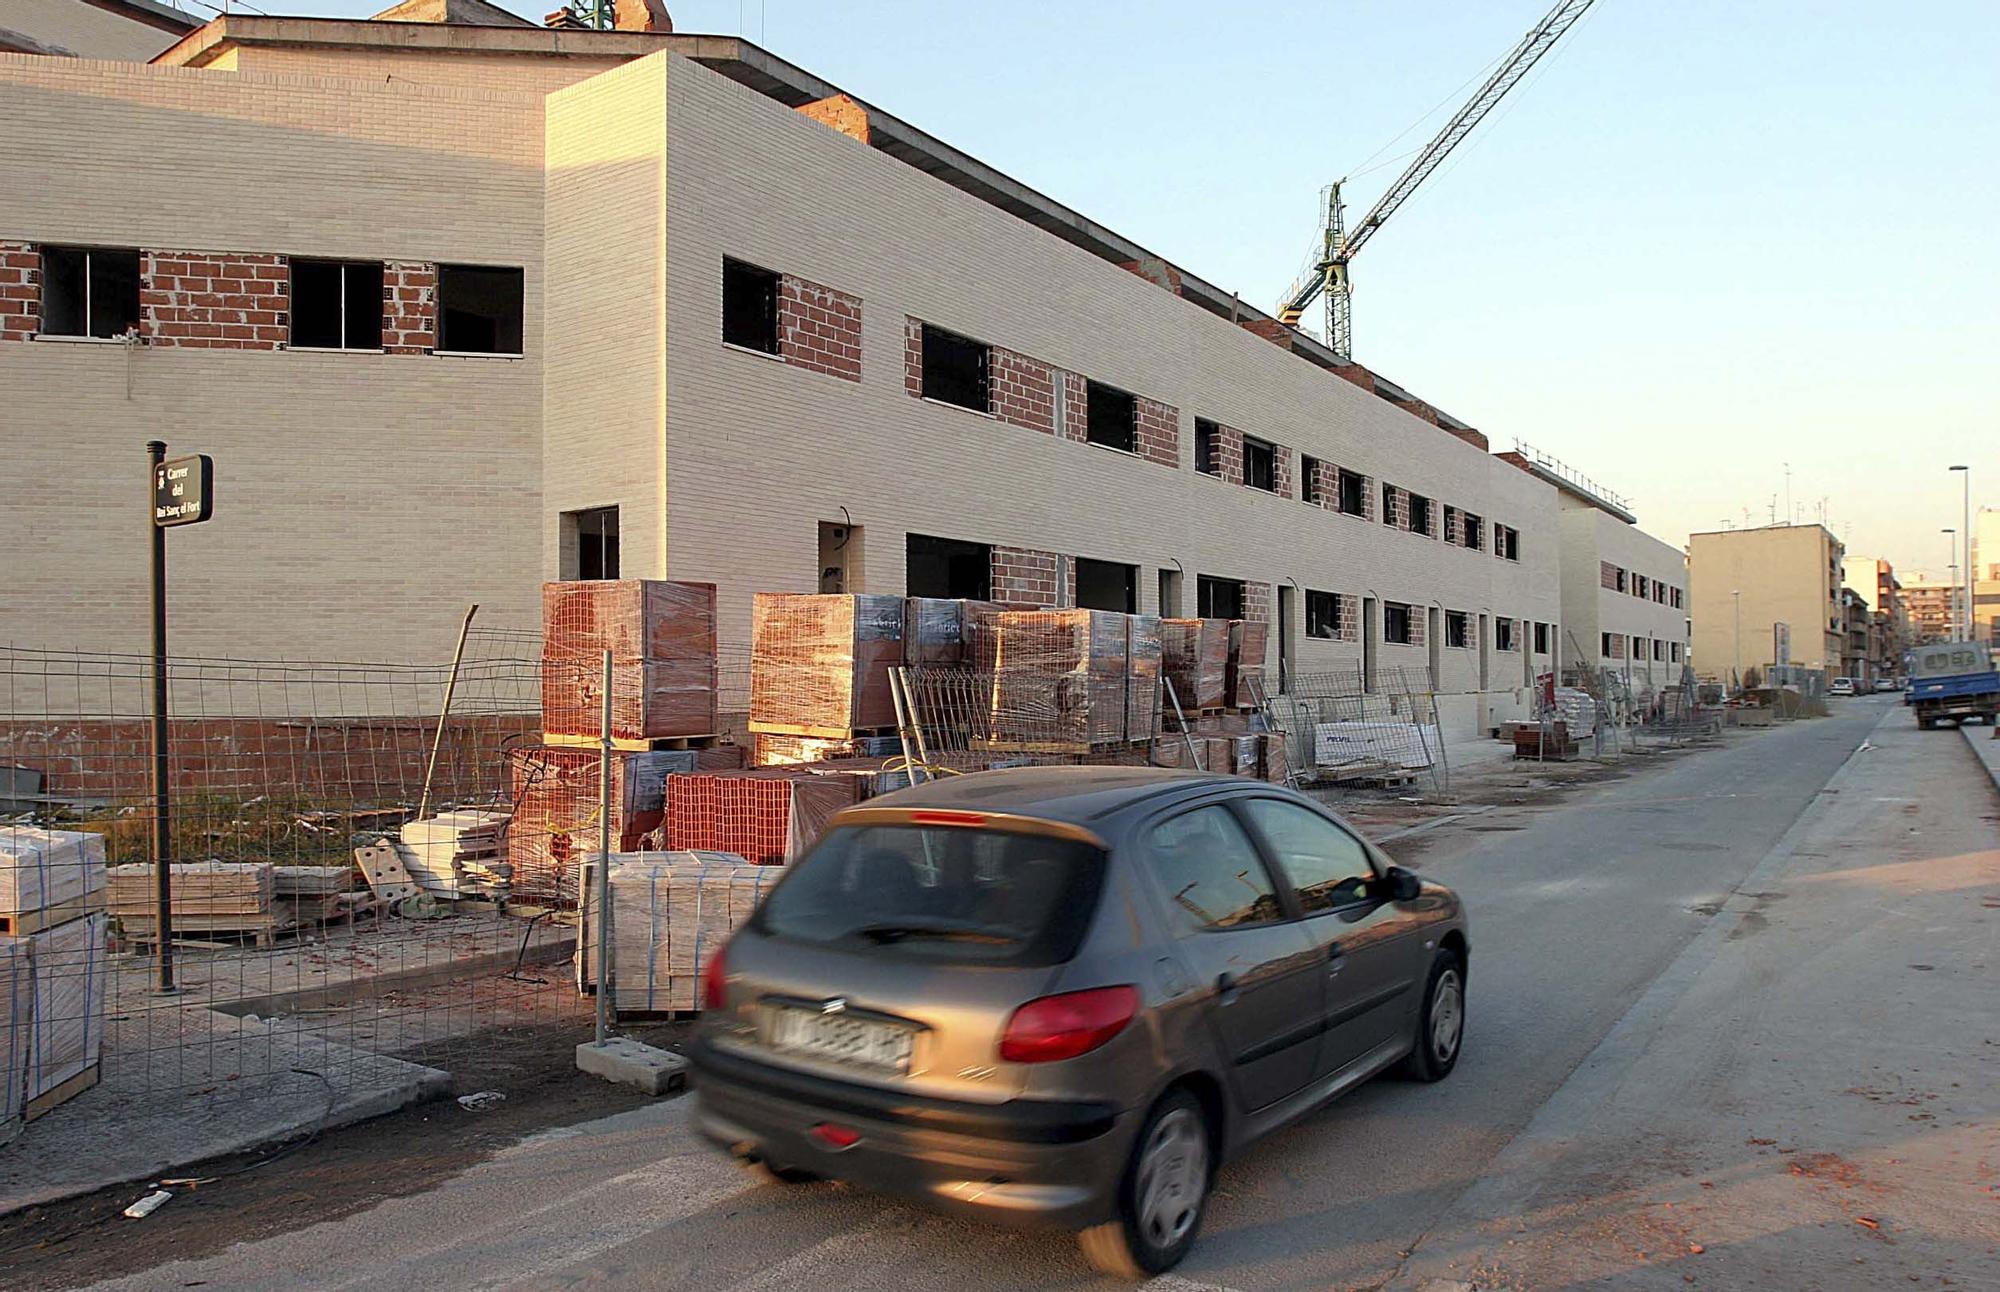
(1985, 742)
(1809, 1096)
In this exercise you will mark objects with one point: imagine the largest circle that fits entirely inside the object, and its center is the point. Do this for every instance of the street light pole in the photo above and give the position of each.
(1736, 594)
(1951, 598)
(1965, 473)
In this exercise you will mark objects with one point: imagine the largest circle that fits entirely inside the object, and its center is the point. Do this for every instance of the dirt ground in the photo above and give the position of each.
(345, 1170)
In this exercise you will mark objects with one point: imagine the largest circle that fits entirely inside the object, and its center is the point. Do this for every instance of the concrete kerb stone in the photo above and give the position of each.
(1985, 742)
(633, 1063)
(1519, 1173)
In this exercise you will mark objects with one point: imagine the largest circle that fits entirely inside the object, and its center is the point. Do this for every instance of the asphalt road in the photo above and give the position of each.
(1575, 908)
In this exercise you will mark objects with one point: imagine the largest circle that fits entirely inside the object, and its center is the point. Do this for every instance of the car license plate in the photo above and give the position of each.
(843, 1038)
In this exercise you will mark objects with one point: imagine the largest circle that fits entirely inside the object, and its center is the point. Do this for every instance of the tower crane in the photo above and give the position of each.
(1326, 272)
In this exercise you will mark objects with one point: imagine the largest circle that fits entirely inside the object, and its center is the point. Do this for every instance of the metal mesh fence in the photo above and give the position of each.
(300, 970)
(1340, 730)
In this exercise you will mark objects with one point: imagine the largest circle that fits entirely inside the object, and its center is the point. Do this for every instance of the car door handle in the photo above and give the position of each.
(1335, 957)
(1225, 988)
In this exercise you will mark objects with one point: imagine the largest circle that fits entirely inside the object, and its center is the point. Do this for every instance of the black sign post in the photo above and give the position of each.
(181, 493)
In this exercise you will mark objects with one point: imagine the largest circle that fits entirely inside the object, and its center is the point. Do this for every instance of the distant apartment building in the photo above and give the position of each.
(1857, 655)
(1889, 623)
(1986, 576)
(1931, 609)
(125, 30)
(457, 308)
(1758, 594)
(1624, 592)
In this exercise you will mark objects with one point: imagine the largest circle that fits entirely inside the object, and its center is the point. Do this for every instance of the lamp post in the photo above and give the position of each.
(1736, 595)
(1951, 598)
(1965, 474)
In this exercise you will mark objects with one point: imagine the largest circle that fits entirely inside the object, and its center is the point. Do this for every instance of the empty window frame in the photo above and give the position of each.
(1309, 480)
(1396, 618)
(336, 304)
(947, 567)
(1420, 514)
(1473, 529)
(1541, 638)
(479, 309)
(1218, 598)
(1260, 464)
(1207, 447)
(749, 306)
(1621, 580)
(1659, 649)
(1453, 519)
(591, 540)
(1457, 629)
(1322, 614)
(1503, 633)
(1507, 542)
(1607, 647)
(1353, 493)
(89, 291)
(1638, 648)
(1675, 653)
(1675, 597)
(955, 370)
(1107, 585)
(1111, 417)
(1639, 586)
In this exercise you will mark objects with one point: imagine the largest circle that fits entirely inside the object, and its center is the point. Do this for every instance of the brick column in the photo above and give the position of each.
(214, 300)
(913, 357)
(1022, 390)
(409, 307)
(1229, 454)
(1158, 434)
(1074, 420)
(1257, 602)
(1283, 457)
(20, 291)
(1347, 618)
(819, 328)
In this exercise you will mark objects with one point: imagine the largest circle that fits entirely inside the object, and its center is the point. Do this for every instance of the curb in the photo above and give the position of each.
(1986, 748)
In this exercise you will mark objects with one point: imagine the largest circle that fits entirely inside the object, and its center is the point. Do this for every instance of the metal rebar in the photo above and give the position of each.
(606, 981)
(444, 714)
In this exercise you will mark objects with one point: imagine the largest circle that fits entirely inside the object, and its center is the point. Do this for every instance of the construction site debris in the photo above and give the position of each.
(670, 913)
(555, 820)
(42, 868)
(661, 636)
(819, 662)
(458, 854)
(481, 1100)
(147, 1205)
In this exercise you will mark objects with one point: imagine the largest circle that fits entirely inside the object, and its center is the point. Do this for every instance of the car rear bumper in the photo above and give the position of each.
(1031, 1161)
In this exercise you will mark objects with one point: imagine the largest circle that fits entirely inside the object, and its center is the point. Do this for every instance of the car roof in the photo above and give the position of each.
(1065, 793)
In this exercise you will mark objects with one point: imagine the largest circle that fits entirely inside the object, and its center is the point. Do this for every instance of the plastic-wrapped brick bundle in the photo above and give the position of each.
(769, 817)
(1247, 638)
(1195, 658)
(555, 798)
(42, 868)
(67, 1032)
(1059, 677)
(1144, 657)
(819, 662)
(1277, 762)
(670, 913)
(661, 636)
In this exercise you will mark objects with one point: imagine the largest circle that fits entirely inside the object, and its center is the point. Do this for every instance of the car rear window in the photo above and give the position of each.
(939, 893)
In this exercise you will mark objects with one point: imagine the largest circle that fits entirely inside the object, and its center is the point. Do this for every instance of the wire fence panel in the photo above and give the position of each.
(1341, 730)
(322, 943)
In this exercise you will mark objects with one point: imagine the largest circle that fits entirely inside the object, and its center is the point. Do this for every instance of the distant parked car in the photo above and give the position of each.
(1066, 994)
(1841, 686)
(1887, 684)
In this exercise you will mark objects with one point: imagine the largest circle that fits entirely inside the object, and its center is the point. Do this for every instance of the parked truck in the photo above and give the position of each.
(1953, 682)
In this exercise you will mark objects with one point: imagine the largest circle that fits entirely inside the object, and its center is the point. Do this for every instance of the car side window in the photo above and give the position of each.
(1328, 866)
(1210, 873)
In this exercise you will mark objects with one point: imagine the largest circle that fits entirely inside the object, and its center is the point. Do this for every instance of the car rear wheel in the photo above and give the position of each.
(1441, 1025)
(1161, 1195)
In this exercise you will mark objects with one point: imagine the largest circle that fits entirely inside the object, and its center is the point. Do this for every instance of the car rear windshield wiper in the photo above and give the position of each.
(955, 932)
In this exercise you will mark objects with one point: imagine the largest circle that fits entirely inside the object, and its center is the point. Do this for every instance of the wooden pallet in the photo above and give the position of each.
(633, 744)
(49, 1100)
(1057, 746)
(262, 930)
(19, 924)
(817, 733)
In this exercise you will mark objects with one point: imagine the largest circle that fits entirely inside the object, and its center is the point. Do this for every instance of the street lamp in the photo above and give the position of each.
(1951, 600)
(1736, 595)
(1966, 476)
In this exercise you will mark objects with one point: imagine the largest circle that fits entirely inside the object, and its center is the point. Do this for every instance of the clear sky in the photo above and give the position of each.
(1702, 240)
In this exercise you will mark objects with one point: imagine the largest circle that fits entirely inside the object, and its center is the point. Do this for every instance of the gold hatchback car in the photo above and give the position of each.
(1065, 995)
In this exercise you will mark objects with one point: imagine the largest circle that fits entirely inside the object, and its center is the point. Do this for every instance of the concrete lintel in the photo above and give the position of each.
(633, 1063)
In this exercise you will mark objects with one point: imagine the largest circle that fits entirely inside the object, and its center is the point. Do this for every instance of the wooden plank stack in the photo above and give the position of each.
(208, 897)
(670, 913)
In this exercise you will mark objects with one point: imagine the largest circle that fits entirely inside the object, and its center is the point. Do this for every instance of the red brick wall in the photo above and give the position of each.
(1023, 390)
(1155, 271)
(1024, 577)
(1159, 431)
(409, 307)
(20, 291)
(840, 113)
(1257, 602)
(1347, 618)
(1326, 484)
(1271, 330)
(1420, 617)
(213, 300)
(1229, 454)
(1399, 507)
(819, 328)
(913, 357)
(1454, 525)
(1283, 456)
(1075, 406)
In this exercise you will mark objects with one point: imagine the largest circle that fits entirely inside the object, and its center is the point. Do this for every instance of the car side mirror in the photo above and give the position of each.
(1399, 885)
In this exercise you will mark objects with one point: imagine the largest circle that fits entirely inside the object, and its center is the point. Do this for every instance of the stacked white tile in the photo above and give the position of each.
(671, 912)
(17, 1011)
(69, 968)
(43, 868)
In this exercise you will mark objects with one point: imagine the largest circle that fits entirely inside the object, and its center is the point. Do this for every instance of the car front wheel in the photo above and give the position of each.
(1161, 1195)
(1441, 1024)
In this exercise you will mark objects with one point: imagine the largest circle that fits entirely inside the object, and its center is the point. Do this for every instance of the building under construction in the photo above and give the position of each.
(459, 306)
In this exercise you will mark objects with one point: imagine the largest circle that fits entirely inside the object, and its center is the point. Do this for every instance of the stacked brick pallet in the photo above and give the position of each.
(52, 969)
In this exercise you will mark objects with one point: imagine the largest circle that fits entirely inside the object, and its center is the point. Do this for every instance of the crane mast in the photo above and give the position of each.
(1327, 275)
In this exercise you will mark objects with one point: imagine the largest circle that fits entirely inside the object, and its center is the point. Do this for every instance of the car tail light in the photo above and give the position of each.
(1062, 1027)
(714, 980)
